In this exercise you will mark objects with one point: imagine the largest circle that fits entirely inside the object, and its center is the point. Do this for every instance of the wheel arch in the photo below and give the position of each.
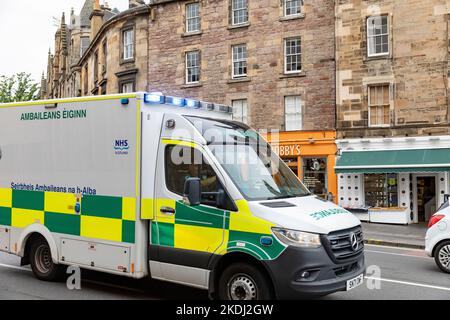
(36, 230)
(219, 264)
(433, 252)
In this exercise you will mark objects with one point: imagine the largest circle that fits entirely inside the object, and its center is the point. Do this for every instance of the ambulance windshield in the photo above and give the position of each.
(250, 162)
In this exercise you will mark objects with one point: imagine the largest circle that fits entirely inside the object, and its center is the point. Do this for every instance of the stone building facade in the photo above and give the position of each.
(392, 68)
(272, 60)
(100, 51)
(393, 119)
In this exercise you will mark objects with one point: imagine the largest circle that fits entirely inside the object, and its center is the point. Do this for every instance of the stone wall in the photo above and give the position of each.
(116, 68)
(416, 67)
(266, 84)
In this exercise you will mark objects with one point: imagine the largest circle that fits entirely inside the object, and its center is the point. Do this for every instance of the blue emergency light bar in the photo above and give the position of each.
(192, 103)
(158, 98)
(179, 102)
(154, 98)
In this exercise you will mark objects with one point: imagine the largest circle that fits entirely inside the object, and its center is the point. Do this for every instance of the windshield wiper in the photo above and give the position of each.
(288, 196)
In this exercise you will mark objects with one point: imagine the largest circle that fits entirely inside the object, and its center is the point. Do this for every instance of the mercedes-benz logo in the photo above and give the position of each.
(354, 241)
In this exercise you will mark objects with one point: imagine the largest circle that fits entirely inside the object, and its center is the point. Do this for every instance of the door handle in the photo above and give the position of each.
(167, 211)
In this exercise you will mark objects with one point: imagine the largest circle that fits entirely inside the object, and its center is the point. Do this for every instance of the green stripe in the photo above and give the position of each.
(102, 206)
(63, 223)
(128, 231)
(31, 200)
(200, 216)
(5, 216)
(154, 235)
(227, 220)
(253, 242)
(166, 234)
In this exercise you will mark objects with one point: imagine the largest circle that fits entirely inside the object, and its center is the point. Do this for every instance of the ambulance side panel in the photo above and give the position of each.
(70, 171)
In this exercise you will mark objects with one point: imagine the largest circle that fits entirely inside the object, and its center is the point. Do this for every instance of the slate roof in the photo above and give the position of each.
(109, 14)
(85, 13)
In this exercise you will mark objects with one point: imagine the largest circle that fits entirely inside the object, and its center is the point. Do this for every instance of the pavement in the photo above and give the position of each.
(392, 273)
(407, 236)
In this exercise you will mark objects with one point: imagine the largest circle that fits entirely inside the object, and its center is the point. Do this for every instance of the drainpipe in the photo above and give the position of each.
(336, 67)
(447, 71)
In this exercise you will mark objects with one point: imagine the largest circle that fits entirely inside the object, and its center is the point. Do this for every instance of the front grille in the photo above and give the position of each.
(339, 244)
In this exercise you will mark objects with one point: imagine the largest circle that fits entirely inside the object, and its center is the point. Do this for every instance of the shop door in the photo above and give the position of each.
(315, 176)
(426, 198)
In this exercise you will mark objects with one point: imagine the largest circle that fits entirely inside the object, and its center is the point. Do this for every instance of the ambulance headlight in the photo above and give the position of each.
(297, 238)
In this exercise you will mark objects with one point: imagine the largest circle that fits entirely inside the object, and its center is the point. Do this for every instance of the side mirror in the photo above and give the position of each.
(220, 200)
(192, 192)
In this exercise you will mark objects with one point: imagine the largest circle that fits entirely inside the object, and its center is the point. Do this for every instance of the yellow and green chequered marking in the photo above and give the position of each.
(207, 229)
(101, 217)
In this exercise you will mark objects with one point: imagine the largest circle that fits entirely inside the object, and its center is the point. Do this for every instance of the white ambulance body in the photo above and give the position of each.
(147, 185)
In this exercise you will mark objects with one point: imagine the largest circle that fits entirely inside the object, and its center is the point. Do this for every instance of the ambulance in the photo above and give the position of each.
(147, 185)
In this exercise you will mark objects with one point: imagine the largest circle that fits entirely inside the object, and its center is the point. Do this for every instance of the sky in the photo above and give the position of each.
(27, 31)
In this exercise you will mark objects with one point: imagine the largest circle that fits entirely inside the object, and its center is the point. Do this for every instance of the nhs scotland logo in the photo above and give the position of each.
(121, 147)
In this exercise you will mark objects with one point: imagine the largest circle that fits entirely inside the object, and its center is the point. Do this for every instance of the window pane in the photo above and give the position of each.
(372, 95)
(240, 110)
(386, 116)
(182, 163)
(292, 7)
(127, 87)
(128, 44)
(385, 90)
(193, 17)
(377, 35)
(293, 55)
(293, 113)
(239, 60)
(315, 175)
(193, 66)
(379, 104)
(84, 45)
(239, 11)
(381, 190)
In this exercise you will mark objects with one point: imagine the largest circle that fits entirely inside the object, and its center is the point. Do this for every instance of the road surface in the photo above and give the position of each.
(393, 273)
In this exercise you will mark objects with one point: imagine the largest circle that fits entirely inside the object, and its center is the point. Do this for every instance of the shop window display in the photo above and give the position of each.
(315, 175)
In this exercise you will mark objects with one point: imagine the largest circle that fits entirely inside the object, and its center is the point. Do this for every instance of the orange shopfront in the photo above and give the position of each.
(311, 155)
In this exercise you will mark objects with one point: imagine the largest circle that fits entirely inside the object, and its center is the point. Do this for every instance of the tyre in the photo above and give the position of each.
(442, 256)
(242, 281)
(41, 262)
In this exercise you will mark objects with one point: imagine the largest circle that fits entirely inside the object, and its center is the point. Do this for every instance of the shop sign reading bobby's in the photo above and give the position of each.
(287, 150)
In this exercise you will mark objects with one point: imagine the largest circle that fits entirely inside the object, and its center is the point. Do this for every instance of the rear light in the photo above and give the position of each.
(435, 219)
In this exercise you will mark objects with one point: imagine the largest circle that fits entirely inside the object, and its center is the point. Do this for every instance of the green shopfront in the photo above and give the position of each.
(393, 180)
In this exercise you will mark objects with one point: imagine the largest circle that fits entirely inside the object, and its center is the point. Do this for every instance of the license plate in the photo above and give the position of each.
(355, 282)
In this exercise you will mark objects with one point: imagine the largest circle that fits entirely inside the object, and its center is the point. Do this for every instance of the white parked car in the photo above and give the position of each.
(437, 240)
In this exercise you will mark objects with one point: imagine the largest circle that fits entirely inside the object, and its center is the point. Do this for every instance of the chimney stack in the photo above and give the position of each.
(96, 18)
(106, 6)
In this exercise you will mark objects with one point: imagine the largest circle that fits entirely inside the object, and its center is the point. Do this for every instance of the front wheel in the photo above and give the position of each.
(241, 281)
(442, 256)
(41, 262)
